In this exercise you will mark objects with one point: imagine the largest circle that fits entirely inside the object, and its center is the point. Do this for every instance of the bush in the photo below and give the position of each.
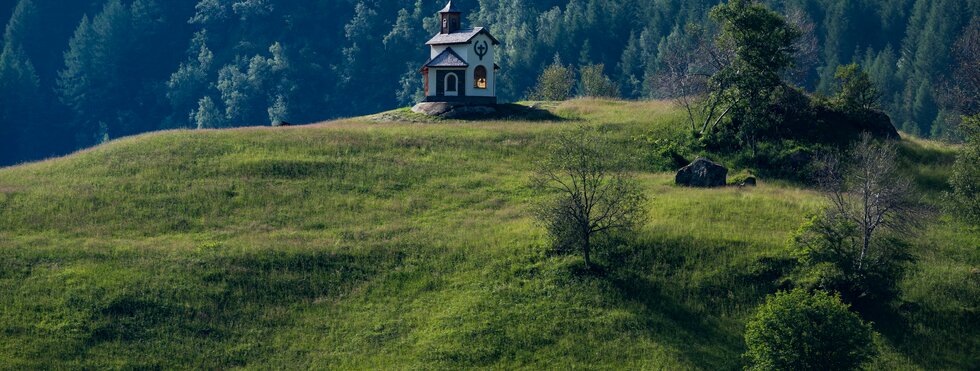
(555, 83)
(785, 159)
(799, 331)
(663, 154)
(595, 83)
(964, 200)
(828, 248)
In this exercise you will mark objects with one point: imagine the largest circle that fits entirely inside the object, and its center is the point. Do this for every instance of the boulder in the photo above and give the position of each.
(702, 173)
(470, 111)
(452, 110)
(433, 108)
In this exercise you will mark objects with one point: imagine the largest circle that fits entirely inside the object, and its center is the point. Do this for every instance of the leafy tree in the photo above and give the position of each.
(19, 89)
(236, 94)
(761, 46)
(210, 11)
(593, 82)
(278, 111)
(207, 115)
(856, 92)
(591, 194)
(837, 44)
(83, 78)
(191, 78)
(964, 199)
(555, 83)
(797, 330)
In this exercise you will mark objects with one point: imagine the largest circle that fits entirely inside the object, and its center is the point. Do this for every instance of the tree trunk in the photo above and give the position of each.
(586, 249)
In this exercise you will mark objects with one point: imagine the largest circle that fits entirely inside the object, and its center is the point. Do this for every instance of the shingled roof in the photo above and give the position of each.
(461, 37)
(448, 58)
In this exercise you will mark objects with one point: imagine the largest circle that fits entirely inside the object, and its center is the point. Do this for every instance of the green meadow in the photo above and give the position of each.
(406, 244)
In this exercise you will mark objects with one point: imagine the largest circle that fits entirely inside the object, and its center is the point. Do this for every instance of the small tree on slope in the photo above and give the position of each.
(853, 248)
(590, 192)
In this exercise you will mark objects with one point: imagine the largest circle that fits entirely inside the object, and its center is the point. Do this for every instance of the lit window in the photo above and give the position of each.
(480, 77)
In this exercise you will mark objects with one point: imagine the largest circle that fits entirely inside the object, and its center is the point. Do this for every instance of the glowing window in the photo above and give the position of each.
(480, 77)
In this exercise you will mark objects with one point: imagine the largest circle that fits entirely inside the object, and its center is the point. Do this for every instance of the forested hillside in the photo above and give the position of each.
(76, 73)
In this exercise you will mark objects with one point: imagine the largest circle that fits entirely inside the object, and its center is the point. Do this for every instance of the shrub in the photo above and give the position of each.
(964, 200)
(594, 82)
(828, 248)
(555, 83)
(663, 154)
(799, 331)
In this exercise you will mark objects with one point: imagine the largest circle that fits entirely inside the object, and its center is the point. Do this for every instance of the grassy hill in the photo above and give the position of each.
(368, 243)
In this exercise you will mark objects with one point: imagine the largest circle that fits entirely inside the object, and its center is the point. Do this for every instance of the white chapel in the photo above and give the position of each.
(461, 66)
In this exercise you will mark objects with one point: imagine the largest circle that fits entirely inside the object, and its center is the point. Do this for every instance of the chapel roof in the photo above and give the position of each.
(461, 37)
(448, 58)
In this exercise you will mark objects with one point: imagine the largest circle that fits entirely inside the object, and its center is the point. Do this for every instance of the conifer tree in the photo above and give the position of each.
(19, 86)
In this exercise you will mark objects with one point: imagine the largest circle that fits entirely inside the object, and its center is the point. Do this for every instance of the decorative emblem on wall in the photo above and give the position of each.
(481, 49)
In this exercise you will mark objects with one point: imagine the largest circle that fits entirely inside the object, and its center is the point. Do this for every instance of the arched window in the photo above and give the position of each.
(452, 83)
(480, 77)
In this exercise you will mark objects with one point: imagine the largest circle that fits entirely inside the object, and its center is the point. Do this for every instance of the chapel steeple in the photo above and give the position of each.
(450, 18)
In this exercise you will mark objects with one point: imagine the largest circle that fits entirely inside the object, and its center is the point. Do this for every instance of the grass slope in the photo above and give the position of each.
(365, 244)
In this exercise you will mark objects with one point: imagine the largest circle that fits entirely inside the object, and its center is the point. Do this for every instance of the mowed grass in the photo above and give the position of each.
(358, 244)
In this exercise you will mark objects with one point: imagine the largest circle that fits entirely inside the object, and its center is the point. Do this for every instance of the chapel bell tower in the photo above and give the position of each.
(450, 18)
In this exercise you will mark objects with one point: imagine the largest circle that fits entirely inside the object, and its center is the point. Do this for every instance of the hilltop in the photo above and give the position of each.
(377, 242)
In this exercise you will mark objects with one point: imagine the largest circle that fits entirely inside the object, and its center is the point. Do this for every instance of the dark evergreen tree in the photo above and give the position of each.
(123, 68)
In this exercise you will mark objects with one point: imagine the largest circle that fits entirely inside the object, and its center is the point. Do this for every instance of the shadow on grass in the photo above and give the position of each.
(704, 343)
(930, 167)
(514, 112)
(644, 272)
(534, 112)
(217, 300)
(931, 338)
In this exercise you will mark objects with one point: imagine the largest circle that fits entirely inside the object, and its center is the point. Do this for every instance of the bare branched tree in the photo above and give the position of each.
(965, 92)
(591, 193)
(867, 190)
(687, 63)
(807, 48)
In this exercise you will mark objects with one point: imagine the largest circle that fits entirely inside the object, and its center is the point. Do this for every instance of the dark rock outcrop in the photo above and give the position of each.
(702, 173)
(452, 110)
